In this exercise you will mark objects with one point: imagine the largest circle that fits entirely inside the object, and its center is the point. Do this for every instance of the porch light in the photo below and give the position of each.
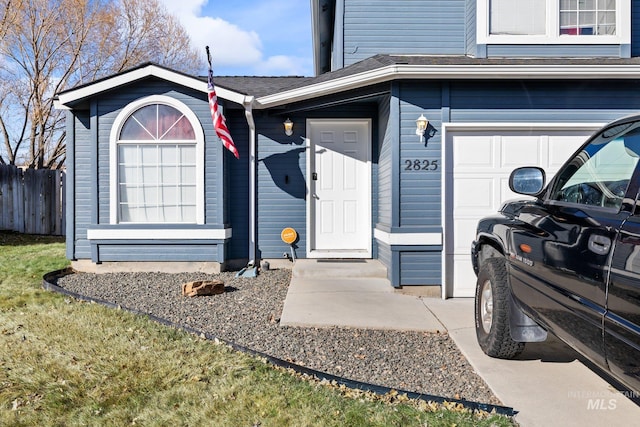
(421, 125)
(288, 127)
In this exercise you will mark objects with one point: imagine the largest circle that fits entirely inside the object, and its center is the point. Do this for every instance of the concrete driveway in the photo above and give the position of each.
(548, 385)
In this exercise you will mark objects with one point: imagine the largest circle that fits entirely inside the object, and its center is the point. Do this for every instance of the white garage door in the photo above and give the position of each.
(477, 183)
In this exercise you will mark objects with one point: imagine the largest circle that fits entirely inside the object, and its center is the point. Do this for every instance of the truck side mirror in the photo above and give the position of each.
(529, 181)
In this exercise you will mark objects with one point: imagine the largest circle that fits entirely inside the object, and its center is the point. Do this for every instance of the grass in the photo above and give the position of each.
(65, 363)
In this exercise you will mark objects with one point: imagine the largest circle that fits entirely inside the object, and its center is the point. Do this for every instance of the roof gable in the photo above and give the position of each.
(67, 98)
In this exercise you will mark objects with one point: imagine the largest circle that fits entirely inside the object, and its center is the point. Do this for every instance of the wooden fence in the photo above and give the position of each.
(31, 201)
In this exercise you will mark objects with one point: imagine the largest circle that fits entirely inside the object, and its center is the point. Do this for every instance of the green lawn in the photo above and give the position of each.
(64, 363)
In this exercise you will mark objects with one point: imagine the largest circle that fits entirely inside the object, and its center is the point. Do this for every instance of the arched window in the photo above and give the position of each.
(156, 163)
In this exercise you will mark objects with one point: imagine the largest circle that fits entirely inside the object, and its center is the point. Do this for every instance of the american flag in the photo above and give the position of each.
(218, 118)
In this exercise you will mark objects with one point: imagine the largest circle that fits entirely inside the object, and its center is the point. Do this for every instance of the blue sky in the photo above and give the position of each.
(250, 37)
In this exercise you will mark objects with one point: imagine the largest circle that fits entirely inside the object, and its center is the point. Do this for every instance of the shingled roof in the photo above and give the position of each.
(264, 86)
(273, 91)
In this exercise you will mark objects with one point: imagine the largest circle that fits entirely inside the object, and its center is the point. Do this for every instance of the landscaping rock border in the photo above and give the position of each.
(248, 312)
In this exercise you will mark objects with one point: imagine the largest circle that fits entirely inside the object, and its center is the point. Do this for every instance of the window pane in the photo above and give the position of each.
(171, 214)
(147, 117)
(188, 154)
(189, 195)
(188, 174)
(149, 175)
(587, 23)
(569, 4)
(149, 154)
(134, 131)
(170, 195)
(151, 214)
(169, 175)
(128, 153)
(181, 130)
(600, 174)
(607, 4)
(129, 194)
(188, 213)
(167, 118)
(150, 195)
(169, 154)
(517, 17)
(129, 174)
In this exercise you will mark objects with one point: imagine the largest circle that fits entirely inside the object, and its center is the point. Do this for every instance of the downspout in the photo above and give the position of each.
(248, 112)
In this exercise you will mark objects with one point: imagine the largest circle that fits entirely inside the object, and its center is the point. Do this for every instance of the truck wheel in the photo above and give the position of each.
(492, 311)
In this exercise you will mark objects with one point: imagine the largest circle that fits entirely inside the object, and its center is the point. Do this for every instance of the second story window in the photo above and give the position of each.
(517, 17)
(554, 22)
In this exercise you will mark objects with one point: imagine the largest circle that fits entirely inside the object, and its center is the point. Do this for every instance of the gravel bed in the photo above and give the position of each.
(248, 314)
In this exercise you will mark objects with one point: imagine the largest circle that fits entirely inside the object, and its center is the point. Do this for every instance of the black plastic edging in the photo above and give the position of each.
(377, 389)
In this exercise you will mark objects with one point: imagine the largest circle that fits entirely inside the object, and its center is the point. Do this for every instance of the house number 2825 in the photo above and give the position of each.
(421, 165)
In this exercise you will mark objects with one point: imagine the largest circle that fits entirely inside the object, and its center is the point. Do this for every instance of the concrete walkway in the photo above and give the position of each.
(547, 385)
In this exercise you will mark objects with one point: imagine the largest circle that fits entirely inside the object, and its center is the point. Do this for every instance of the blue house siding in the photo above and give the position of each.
(83, 176)
(281, 185)
(155, 251)
(385, 162)
(237, 182)
(635, 28)
(553, 51)
(421, 266)
(554, 101)
(403, 27)
(420, 164)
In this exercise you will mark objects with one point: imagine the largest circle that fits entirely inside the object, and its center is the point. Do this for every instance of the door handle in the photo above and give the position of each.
(599, 244)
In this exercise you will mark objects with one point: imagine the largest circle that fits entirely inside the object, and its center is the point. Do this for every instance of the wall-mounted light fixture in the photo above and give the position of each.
(288, 127)
(421, 126)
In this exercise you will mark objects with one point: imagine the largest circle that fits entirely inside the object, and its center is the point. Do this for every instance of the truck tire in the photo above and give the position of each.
(492, 311)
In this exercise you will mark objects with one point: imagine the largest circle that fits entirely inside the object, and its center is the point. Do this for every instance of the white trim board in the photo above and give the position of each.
(408, 239)
(141, 73)
(159, 234)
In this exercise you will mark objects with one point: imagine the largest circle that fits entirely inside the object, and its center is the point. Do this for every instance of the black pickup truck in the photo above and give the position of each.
(567, 260)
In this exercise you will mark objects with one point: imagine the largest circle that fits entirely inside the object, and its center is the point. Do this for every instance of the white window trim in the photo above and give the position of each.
(154, 234)
(623, 28)
(113, 151)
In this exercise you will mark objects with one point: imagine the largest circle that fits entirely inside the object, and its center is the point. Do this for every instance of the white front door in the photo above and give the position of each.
(339, 199)
(478, 183)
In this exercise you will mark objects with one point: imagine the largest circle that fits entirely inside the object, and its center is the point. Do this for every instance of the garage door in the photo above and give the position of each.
(477, 183)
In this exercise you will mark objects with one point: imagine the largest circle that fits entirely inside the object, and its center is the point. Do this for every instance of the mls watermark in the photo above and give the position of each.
(602, 400)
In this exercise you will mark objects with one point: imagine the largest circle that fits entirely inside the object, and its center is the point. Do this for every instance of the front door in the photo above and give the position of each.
(339, 177)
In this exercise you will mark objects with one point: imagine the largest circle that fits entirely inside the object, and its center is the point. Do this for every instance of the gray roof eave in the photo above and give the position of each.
(450, 70)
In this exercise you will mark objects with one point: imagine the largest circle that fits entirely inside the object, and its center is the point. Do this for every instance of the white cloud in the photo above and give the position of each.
(235, 48)
(281, 64)
(230, 45)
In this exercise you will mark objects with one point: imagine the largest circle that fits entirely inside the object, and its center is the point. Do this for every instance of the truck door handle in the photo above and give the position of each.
(599, 244)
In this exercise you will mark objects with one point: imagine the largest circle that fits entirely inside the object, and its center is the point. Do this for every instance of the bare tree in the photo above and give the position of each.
(51, 45)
